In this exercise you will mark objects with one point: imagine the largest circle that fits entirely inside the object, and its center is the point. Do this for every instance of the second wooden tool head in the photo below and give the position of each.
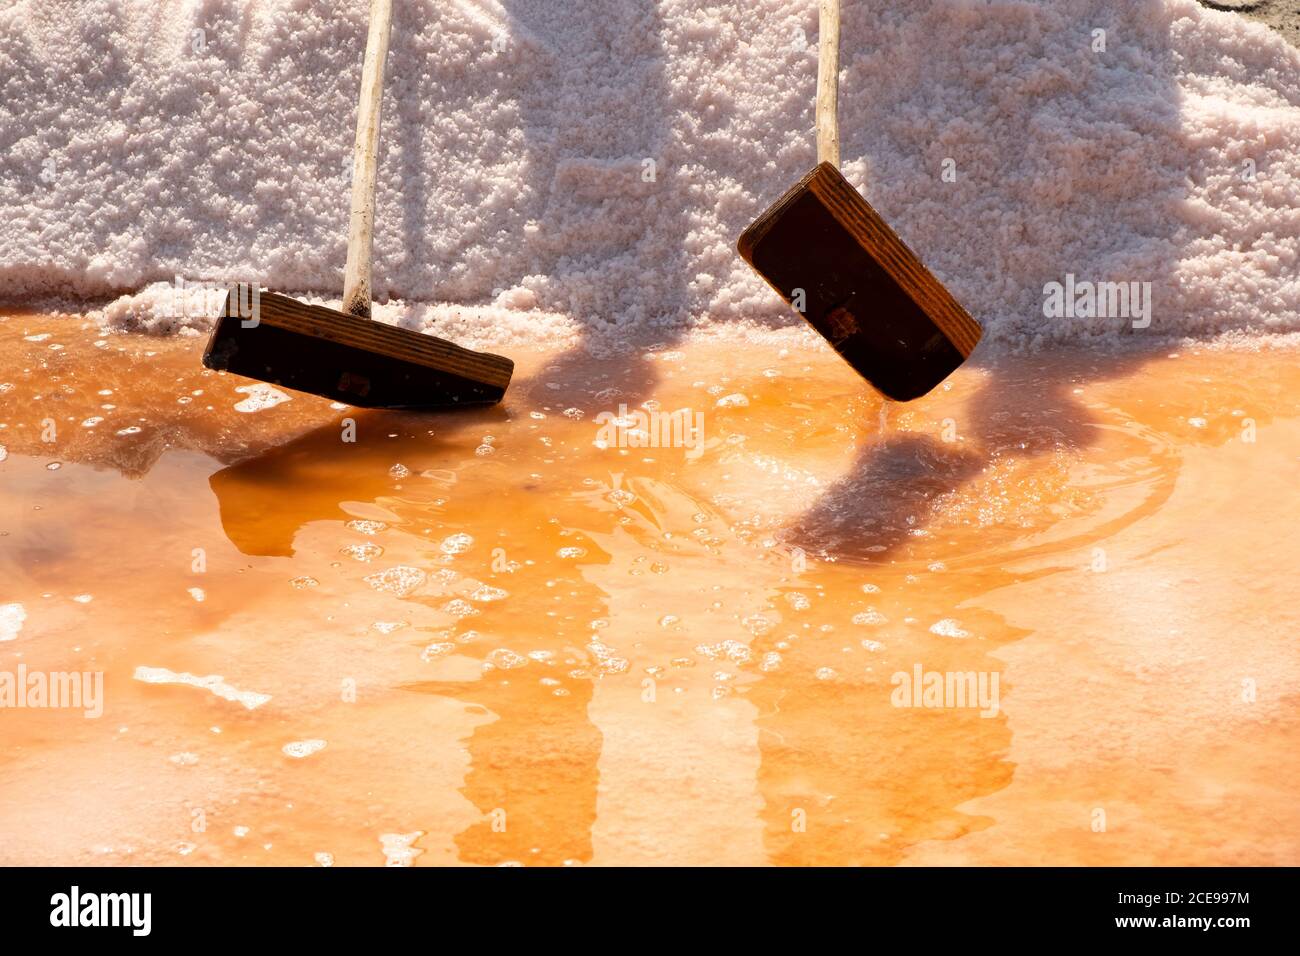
(831, 256)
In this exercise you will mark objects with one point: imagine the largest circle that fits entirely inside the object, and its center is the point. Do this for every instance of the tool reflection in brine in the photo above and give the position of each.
(266, 499)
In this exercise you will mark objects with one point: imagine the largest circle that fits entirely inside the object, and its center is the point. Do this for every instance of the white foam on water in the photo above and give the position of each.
(589, 175)
(298, 749)
(362, 552)
(505, 659)
(399, 848)
(456, 544)
(949, 628)
(216, 684)
(12, 617)
(401, 580)
(436, 650)
(260, 397)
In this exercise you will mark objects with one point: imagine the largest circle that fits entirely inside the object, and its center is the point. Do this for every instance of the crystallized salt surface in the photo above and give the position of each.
(584, 168)
(215, 684)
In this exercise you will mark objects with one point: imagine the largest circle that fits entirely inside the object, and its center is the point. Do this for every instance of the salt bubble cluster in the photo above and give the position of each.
(870, 618)
(12, 617)
(366, 551)
(436, 650)
(458, 607)
(733, 651)
(260, 397)
(399, 848)
(607, 659)
(302, 748)
(505, 659)
(948, 628)
(456, 544)
(401, 580)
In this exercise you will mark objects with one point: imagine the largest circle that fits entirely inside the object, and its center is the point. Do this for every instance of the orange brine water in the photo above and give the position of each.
(706, 604)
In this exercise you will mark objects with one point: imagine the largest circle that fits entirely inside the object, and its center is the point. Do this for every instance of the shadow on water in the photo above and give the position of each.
(1150, 158)
(266, 499)
(875, 777)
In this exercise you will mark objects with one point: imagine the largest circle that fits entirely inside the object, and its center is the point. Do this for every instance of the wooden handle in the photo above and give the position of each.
(365, 159)
(828, 74)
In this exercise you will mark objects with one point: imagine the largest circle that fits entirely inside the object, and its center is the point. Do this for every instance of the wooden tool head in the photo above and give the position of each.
(349, 359)
(830, 255)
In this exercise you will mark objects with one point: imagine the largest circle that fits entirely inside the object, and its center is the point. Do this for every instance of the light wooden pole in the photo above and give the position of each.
(365, 160)
(828, 73)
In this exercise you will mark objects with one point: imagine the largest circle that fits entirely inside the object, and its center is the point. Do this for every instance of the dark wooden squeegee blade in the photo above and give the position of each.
(351, 360)
(863, 289)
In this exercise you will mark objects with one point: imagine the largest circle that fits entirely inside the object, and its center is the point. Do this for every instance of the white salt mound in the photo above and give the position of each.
(582, 169)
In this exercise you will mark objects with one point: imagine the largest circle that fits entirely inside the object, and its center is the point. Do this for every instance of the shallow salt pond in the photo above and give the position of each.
(664, 607)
